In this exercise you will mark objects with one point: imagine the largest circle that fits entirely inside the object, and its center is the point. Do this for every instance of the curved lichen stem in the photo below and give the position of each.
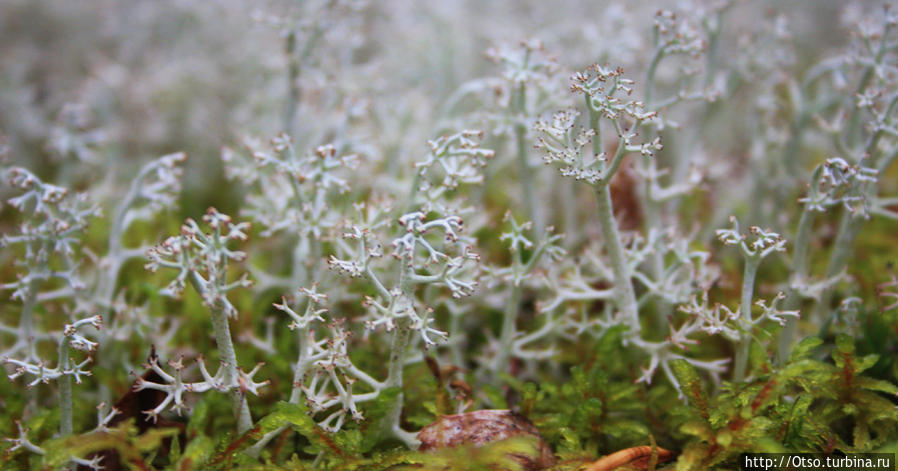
(625, 296)
(227, 356)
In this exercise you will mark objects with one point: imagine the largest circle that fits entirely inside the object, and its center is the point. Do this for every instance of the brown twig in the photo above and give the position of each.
(632, 455)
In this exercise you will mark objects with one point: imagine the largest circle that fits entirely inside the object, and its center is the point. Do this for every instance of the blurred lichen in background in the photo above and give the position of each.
(634, 223)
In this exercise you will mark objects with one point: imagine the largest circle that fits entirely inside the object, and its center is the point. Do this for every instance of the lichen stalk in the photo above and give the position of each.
(625, 296)
(740, 363)
(228, 357)
(520, 131)
(65, 391)
(799, 276)
(399, 342)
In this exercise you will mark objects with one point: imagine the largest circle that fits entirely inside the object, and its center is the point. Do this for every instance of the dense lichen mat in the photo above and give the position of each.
(511, 235)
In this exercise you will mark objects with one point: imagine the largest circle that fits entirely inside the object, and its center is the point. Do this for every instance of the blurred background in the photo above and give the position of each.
(91, 89)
